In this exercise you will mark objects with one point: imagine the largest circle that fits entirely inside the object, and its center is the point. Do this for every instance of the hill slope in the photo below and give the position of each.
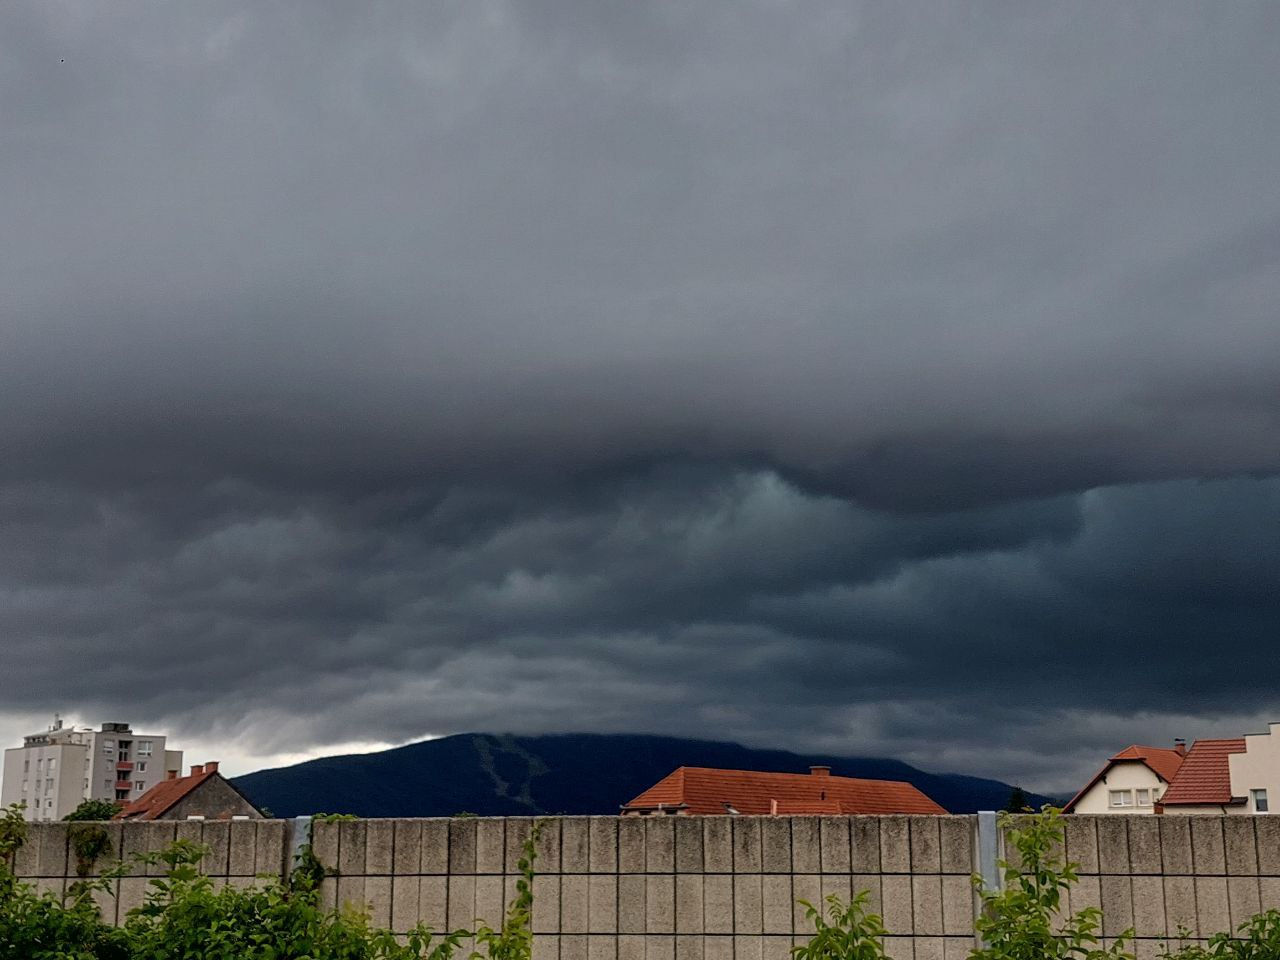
(561, 773)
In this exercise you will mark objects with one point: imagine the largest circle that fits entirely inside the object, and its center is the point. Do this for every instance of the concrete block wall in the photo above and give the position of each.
(719, 888)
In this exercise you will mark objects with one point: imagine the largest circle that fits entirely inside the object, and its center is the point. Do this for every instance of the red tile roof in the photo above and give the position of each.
(1205, 775)
(704, 790)
(164, 796)
(1163, 763)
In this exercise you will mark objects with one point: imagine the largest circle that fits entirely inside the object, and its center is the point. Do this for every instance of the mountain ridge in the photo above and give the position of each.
(566, 773)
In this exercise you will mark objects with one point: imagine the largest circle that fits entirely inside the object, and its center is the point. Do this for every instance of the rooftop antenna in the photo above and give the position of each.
(57, 722)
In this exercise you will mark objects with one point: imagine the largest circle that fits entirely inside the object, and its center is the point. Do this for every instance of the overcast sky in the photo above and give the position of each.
(882, 379)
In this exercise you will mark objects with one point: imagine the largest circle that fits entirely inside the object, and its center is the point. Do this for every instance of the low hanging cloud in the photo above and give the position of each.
(812, 374)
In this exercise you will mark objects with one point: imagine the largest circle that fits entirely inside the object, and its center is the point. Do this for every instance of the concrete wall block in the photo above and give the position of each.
(105, 901)
(324, 843)
(573, 947)
(688, 842)
(548, 848)
(1241, 846)
(747, 948)
(928, 948)
(868, 883)
(377, 894)
(716, 948)
(775, 948)
(1213, 909)
(630, 947)
(834, 834)
(896, 894)
(1113, 845)
(603, 845)
(111, 856)
(689, 916)
(864, 843)
(1144, 845)
(1175, 845)
(406, 854)
(516, 831)
(1243, 899)
(1082, 842)
(435, 846)
(1268, 833)
(747, 848)
(49, 844)
(462, 846)
(900, 948)
(660, 904)
(405, 903)
(840, 884)
(926, 905)
(1117, 905)
(1148, 906)
(956, 838)
(1179, 905)
(379, 847)
(775, 844)
(158, 835)
(805, 888)
(1207, 847)
(895, 845)
(717, 844)
(269, 850)
(1086, 893)
(546, 903)
(659, 845)
(352, 837)
(632, 895)
(433, 901)
(132, 894)
(926, 844)
(1269, 890)
(603, 948)
(575, 907)
(602, 904)
(548, 948)
(491, 899)
(631, 845)
(806, 845)
(957, 948)
(328, 892)
(717, 899)
(957, 905)
(776, 903)
(659, 947)
(462, 905)
(575, 846)
(350, 892)
(689, 947)
(491, 846)
(748, 910)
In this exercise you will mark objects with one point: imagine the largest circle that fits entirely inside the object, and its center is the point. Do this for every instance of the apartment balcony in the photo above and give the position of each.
(124, 784)
(122, 765)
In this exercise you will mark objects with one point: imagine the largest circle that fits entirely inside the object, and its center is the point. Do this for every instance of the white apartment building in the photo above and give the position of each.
(53, 771)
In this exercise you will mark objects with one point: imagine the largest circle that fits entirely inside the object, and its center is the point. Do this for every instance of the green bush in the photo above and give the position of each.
(851, 933)
(1256, 939)
(94, 810)
(1023, 921)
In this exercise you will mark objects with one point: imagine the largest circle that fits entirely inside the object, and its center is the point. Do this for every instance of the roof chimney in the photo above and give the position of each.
(197, 769)
(1180, 745)
(817, 770)
(171, 775)
(211, 766)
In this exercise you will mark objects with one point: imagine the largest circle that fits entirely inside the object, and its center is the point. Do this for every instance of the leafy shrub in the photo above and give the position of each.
(851, 933)
(1022, 921)
(94, 810)
(1256, 939)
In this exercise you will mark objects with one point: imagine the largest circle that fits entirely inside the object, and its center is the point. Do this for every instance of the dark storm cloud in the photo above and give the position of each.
(582, 363)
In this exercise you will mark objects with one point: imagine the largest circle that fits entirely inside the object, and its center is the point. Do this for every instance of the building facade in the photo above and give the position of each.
(55, 770)
(1133, 781)
(203, 795)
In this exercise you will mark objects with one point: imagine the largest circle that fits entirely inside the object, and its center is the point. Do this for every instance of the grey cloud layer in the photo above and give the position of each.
(597, 339)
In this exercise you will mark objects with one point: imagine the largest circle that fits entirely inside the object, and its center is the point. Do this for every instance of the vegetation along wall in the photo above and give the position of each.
(719, 888)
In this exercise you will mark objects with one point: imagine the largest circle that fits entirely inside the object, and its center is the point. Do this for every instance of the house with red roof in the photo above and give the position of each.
(709, 791)
(1132, 781)
(1203, 784)
(204, 795)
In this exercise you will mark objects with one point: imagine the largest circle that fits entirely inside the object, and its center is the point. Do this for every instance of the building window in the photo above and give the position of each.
(139, 784)
(1122, 798)
(53, 762)
(1144, 798)
(142, 766)
(144, 748)
(1259, 801)
(24, 786)
(26, 764)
